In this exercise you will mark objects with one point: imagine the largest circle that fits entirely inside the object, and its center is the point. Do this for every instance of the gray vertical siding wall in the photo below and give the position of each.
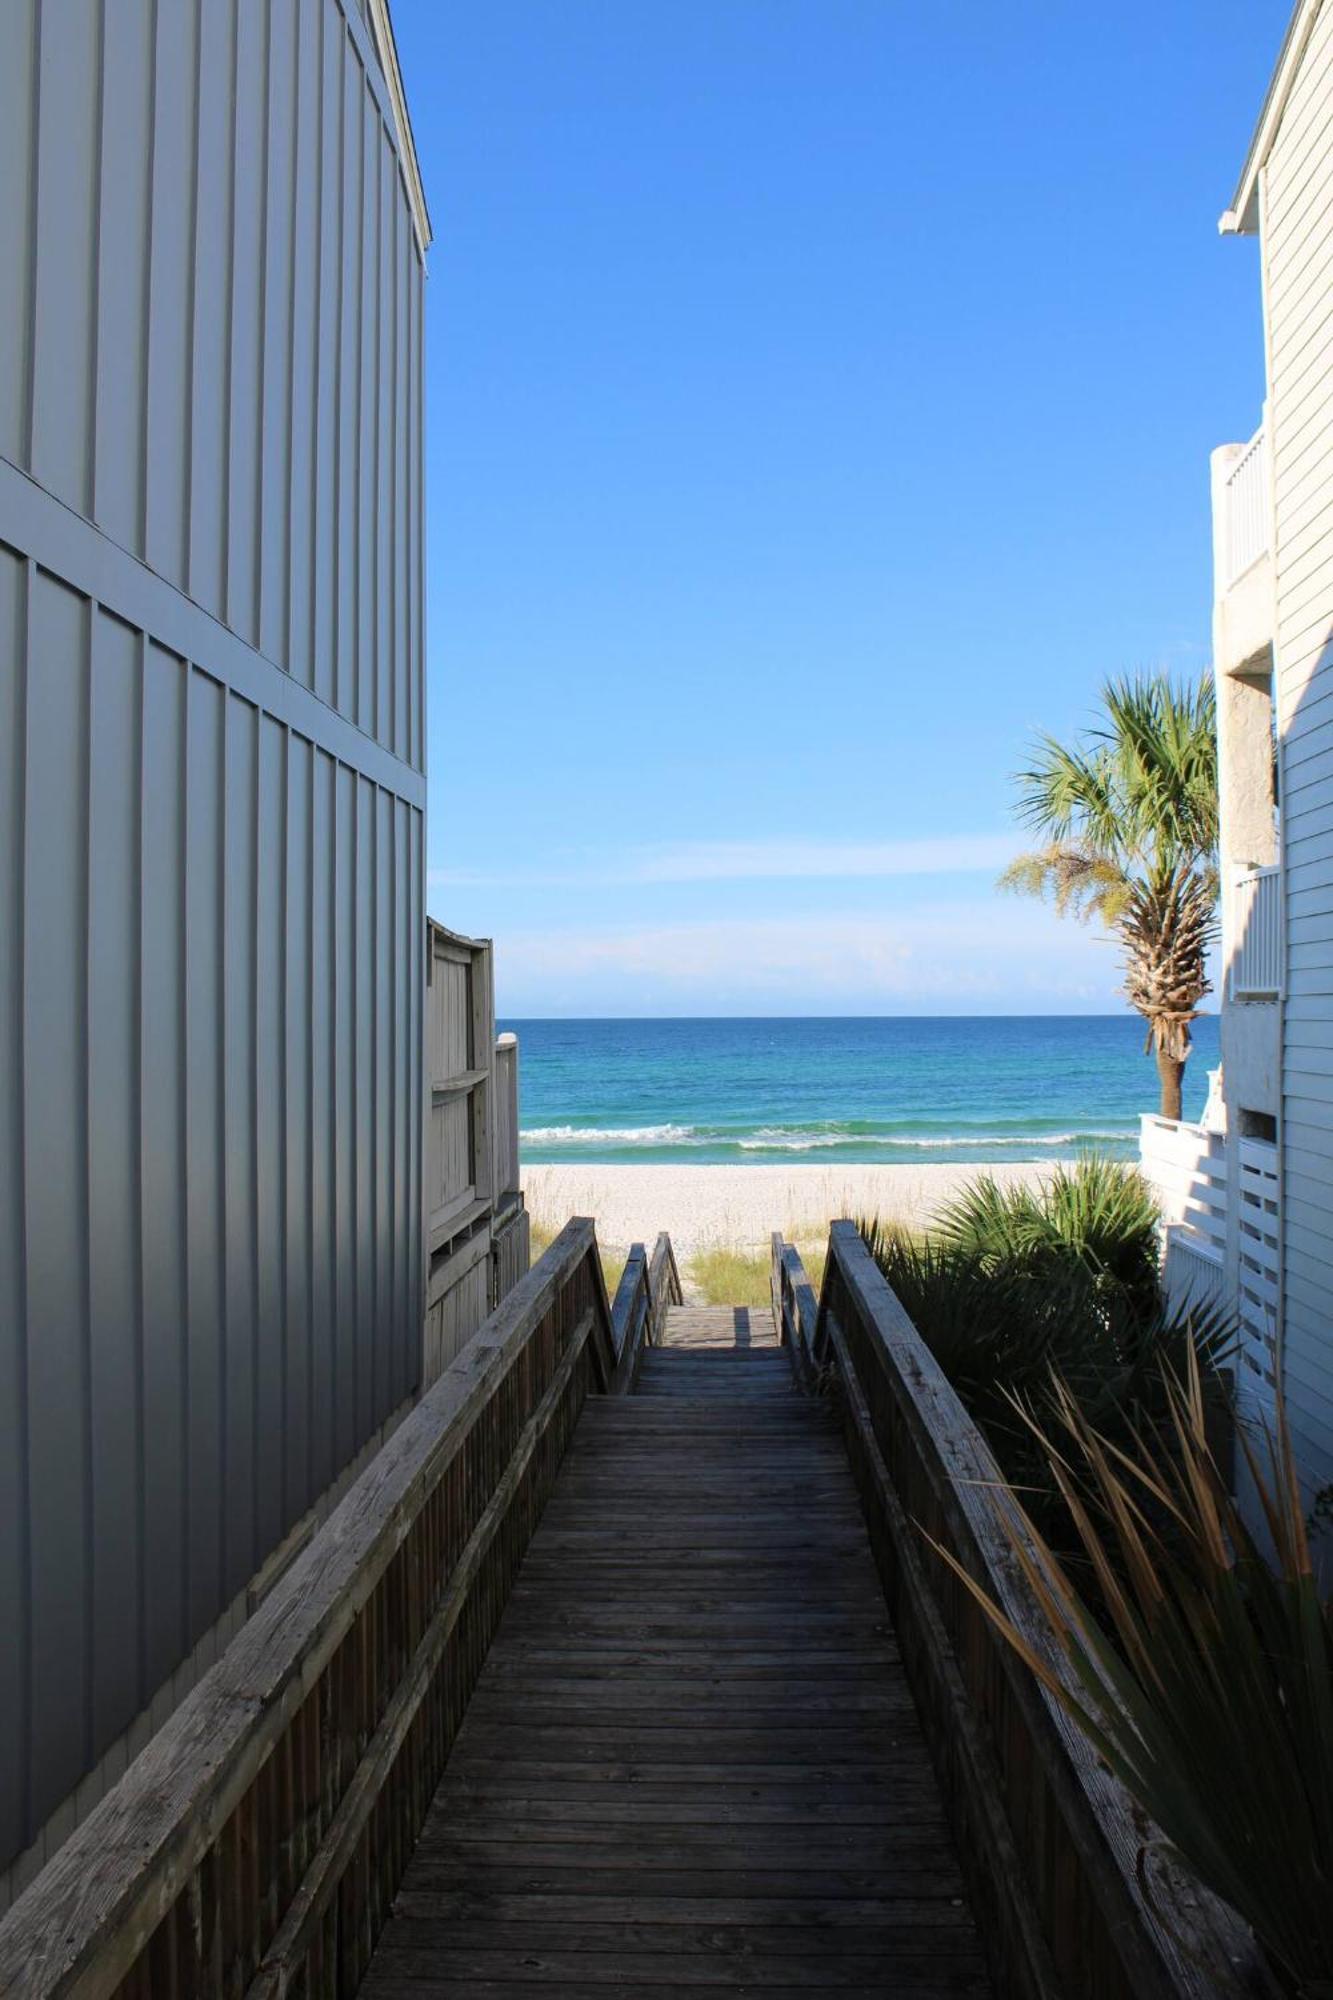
(211, 798)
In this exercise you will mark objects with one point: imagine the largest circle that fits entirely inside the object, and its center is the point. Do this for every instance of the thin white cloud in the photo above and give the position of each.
(750, 861)
(972, 955)
(778, 860)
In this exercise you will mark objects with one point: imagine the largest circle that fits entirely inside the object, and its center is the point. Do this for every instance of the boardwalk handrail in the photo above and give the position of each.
(1051, 1844)
(256, 1844)
(647, 1287)
(795, 1308)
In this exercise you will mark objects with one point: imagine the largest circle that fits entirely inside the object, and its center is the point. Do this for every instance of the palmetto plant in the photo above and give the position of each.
(1020, 1285)
(1097, 1213)
(1129, 819)
(1204, 1676)
(990, 1330)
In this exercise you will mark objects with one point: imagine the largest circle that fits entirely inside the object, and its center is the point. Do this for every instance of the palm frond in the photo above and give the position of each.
(1074, 879)
(1097, 1212)
(1130, 817)
(1069, 794)
(1162, 738)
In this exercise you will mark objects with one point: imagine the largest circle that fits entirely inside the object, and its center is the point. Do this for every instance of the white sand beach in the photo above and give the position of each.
(740, 1207)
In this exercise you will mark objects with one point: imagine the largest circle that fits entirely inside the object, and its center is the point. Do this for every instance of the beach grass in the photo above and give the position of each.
(727, 1277)
(543, 1235)
(719, 1275)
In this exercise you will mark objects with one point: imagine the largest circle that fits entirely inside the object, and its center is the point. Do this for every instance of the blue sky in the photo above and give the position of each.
(819, 400)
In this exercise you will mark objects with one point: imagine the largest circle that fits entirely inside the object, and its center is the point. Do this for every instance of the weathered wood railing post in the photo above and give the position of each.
(647, 1287)
(506, 1116)
(510, 1228)
(795, 1310)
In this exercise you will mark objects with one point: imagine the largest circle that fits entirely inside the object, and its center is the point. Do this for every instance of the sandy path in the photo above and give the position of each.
(740, 1207)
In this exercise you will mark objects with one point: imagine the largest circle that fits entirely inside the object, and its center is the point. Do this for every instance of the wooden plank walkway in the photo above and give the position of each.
(691, 1759)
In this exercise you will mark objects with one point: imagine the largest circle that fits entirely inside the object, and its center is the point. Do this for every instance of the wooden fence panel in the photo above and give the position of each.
(478, 1236)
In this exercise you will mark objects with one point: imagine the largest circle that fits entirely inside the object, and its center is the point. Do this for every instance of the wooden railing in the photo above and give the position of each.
(647, 1287)
(255, 1846)
(795, 1310)
(511, 1250)
(510, 1227)
(1054, 1852)
(506, 1116)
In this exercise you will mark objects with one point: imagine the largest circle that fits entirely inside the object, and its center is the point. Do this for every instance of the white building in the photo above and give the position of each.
(1250, 1207)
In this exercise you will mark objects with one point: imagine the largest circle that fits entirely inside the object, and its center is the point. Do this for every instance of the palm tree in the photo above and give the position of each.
(1129, 815)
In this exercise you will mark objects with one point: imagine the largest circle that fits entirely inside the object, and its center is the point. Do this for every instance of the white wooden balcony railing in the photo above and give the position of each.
(1245, 498)
(1186, 1166)
(1256, 962)
(1193, 1278)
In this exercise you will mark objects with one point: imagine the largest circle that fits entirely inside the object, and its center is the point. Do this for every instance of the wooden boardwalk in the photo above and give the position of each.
(691, 1759)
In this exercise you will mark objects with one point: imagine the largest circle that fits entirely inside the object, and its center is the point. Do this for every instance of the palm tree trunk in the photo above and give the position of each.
(1171, 1076)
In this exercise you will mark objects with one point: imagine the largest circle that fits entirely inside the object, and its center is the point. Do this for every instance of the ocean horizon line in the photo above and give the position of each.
(1041, 1014)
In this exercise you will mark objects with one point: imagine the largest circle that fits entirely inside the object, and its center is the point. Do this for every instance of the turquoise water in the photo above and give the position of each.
(879, 1091)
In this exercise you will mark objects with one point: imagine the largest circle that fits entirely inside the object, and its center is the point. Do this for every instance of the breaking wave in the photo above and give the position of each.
(803, 1139)
(608, 1135)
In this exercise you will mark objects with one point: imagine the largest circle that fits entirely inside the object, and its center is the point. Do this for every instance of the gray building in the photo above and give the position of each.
(212, 784)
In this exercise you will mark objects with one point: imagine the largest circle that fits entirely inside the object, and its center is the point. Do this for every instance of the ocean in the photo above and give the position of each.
(877, 1091)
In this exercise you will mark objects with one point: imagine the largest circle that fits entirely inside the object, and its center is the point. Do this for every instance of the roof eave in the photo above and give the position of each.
(1242, 218)
(387, 50)
(1242, 221)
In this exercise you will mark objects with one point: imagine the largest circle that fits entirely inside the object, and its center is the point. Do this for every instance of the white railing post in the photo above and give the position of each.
(1246, 500)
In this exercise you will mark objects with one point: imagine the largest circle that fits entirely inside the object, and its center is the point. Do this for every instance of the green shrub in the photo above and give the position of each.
(1097, 1214)
(1021, 1286)
(990, 1329)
